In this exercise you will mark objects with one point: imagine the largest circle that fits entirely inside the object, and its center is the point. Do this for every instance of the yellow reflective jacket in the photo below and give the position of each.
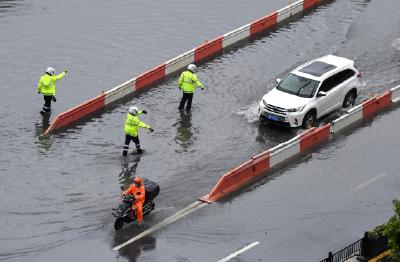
(132, 124)
(187, 80)
(47, 84)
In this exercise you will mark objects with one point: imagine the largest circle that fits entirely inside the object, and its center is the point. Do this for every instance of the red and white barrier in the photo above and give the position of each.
(78, 112)
(365, 110)
(239, 176)
(284, 151)
(179, 62)
(120, 91)
(236, 35)
(289, 10)
(199, 53)
(263, 23)
(262, 163)
(355, 114)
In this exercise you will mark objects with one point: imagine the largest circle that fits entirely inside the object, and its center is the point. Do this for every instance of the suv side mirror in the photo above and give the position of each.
(278, 80)
(321, 93)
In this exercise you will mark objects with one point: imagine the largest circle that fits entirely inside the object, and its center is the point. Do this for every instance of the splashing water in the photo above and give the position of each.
(249, 112)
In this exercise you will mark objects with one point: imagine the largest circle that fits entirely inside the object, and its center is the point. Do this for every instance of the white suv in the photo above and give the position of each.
(311, 91)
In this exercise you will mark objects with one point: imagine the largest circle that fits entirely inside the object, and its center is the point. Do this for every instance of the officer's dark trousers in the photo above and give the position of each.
(47, 104)
(186, 97)
(128, 139)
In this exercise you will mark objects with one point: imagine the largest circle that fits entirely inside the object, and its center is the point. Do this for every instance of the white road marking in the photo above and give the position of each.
(370, 181)
(187, 210)
(239, 252)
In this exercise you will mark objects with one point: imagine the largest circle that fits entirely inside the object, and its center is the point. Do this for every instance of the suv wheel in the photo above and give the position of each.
(309, 120)
(349, 99)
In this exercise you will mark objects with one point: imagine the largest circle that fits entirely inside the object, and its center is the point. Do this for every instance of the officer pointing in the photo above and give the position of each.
(47, 87)
(187, 82)
(132, 124)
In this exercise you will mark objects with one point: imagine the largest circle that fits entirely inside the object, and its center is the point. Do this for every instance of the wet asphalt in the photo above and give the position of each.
(57, 192)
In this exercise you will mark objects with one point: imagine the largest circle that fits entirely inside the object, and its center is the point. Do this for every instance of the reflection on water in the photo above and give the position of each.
(133, 251)
(184, 131)
(128, 170)
(268, 133)
(8, 5)
(43, 142)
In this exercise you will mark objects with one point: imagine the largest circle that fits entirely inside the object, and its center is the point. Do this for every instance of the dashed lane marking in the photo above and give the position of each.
(239, 252)
(370, 181)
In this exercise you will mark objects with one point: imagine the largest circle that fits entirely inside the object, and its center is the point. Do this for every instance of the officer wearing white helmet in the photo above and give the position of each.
(132, 124)
(47, 87)
(187, 82)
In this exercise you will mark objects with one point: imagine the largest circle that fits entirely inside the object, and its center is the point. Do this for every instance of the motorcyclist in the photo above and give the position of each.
(138, 192)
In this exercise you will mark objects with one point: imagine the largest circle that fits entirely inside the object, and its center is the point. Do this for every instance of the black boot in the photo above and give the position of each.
(125, 151)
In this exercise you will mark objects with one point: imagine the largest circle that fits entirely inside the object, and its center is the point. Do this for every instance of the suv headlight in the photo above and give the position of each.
(298, 109)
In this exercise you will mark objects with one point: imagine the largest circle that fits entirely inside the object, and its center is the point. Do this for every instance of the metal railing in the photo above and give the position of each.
(346, 253)
(367, 247)
(355, 249)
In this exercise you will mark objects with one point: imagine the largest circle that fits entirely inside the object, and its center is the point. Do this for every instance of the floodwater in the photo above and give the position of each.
(57, 192)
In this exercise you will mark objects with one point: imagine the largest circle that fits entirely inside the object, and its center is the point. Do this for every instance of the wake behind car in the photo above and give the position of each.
(311, 91)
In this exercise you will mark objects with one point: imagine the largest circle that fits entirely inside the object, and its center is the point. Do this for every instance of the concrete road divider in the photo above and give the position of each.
(239, 176)
(365, 110)
(290, 10)
(284, 151)
(373, 105)
(150, 77)
(120, 91)
(208, 49)
(395, 94)
(235, 36)
(263, 23)
(314, 136)
(261, 164)
(354, 115)
(310, 3)
(76, 113)
(179, 62)
(199, 53)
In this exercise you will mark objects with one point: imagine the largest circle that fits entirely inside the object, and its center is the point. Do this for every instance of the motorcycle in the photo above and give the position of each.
(124, 213)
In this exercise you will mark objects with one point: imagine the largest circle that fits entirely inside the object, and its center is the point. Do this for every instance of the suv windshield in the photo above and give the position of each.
(299, 86)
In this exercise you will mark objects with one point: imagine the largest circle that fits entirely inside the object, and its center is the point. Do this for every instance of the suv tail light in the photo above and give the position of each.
(359, 74)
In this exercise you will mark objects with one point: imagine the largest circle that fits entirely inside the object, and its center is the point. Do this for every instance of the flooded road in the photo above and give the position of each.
(57, 192)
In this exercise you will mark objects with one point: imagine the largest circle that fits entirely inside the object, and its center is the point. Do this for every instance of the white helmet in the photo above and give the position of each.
(192, 68)
(50, 71)
(133, 110)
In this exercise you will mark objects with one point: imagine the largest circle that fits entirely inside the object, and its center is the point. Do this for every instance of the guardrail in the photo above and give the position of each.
(199, 53)
(351, 250)
(367, 247)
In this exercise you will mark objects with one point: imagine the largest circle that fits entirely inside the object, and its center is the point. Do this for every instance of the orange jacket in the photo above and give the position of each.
(137, 192)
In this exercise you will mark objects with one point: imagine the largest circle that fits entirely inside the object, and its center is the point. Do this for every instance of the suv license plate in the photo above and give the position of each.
(273, 117)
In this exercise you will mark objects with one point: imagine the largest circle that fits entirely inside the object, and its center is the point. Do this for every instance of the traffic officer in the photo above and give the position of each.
(187, 81)
(47, 87)
(138, 192)
(132, 124)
